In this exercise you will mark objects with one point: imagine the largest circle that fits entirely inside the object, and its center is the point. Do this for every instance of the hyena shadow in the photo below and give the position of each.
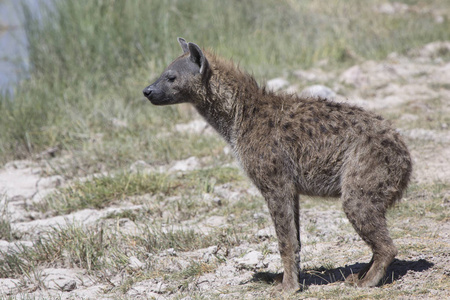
(322, 275)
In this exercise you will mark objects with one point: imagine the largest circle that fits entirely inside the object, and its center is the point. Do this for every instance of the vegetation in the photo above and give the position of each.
(90, 61)
(98, 249)
(102, 191)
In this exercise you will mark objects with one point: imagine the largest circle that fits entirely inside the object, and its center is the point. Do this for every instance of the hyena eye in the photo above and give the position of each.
(171, 77)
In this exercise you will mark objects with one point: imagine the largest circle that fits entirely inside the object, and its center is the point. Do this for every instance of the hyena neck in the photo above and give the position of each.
(227, 91)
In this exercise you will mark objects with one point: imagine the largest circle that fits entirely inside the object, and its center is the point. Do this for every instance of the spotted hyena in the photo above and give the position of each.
(290, 145)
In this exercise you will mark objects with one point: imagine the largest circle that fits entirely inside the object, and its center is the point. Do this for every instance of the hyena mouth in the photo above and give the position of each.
(160, 101)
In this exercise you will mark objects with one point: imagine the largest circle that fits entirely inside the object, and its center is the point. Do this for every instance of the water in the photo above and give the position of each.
(13, 43)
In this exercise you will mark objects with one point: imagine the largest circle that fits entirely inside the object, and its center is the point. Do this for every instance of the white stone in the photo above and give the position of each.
(149, 289)
(263, 234)
(190, 164)
(58, 279)
(171, 252)
(250, 260)
(318, 91)
(277, 84)
(135, 264)
(216, 221)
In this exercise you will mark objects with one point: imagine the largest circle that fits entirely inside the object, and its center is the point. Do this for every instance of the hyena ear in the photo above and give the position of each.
(184, 45)
(198, 57)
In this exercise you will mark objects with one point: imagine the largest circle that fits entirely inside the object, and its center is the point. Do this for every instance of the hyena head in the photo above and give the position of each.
(182, 80)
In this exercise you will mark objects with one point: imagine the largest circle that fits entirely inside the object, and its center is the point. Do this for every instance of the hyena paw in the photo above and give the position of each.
(352, 279)
(365, 281)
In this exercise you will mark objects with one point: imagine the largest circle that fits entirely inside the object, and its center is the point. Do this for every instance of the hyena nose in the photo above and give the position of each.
(147, 91)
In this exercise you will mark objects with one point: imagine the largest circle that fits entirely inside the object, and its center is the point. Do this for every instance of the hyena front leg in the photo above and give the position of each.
(283, 207)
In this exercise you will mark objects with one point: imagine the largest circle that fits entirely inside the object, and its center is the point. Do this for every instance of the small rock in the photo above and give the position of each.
(257, 216)
(69, 286)
(192, 163)
(148, 289)
(217, 201)
(171, 252)
(161, 287)
(318, 91)
(225, 191)
(250, 260)
(277, 84)
(263, 234)
(4, 246)
(216, 221)
(212, 250)
(135, 264)
(210, 253)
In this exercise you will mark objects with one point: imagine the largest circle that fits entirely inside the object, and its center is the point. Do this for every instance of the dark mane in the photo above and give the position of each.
(227, 69)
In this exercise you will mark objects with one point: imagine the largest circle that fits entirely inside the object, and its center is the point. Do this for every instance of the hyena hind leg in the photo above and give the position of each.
(368, 219)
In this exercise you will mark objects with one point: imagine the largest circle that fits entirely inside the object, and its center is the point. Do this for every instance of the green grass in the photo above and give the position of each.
(101, 248)
(424, 200)
(156, 239)
(101, 191)
(197, 269)
(5, 224)
(90, 61)
(71, 246)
